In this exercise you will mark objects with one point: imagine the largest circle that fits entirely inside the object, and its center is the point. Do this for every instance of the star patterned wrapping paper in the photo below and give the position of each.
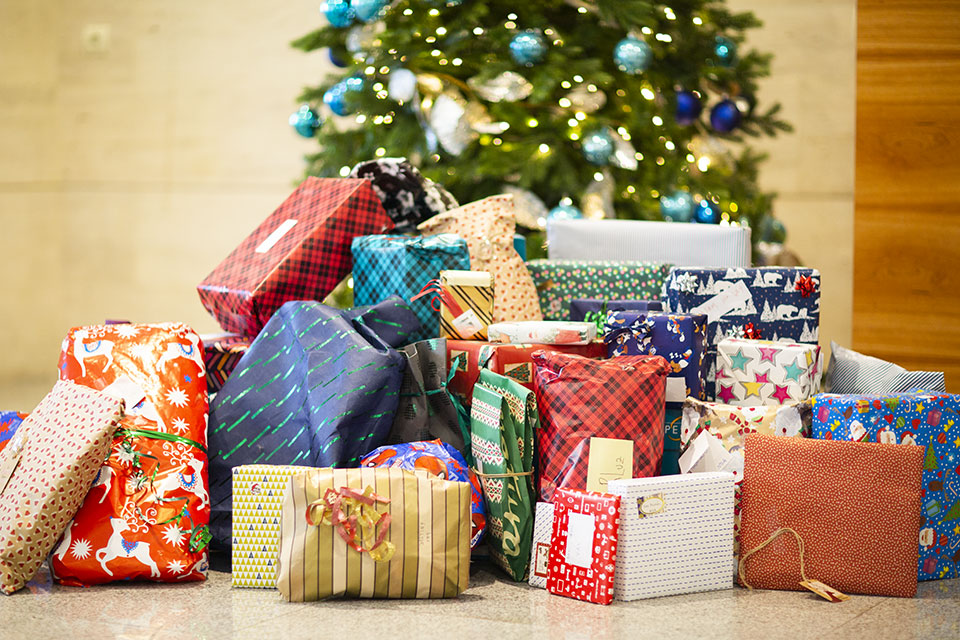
(762, 372)
(929, 420)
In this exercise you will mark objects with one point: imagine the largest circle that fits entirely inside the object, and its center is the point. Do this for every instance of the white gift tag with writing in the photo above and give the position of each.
(580, 530)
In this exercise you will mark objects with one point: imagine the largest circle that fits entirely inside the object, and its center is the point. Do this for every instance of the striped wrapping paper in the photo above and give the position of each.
(430, 529)
(852, 372)
(676, 535)
(688, 245)
(466, 304)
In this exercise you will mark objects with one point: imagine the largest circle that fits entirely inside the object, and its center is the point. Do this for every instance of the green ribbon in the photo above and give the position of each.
(200, 535)
(599, 318)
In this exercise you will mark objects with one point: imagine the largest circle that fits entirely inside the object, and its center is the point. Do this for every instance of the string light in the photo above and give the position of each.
(592, 88)
(443, 62)
(429, 39)
(733, 207)
(361, 119)
(478, 31)
(532, 122)
(384, 70)
(370, 71)
(574, 135)
(510, 24)
(669, 145)
(668, 12)
(697, 20)
(378, 120)
(436, 53)
(566, 84)
(657, 120)
(572, 122)
(703, 163)
(408, 12)
(664, 37)
(621, 93)
(660, 161)
(382, 95)
(504, 126)
(344, 171)
(623, 133)
(631, 188)
(581, 9)
(434, 12)
(598, 176)
(511, 16)
(690, 158)
(580, 115)
(457, 62)
(441, 31)
(380, 152)
(578, 78)
(378, 86)
(647, 31)
(497, 142)
(647, 93)
(654, 193)
(564, 102)
(544, 148)
(638, 156)
(387, 119)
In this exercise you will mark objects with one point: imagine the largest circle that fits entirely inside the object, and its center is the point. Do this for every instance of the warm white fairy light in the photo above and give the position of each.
(361, 119)
(384, 70)
(573, 122)
(578, 78)
(668, 12)
(574, 135)
(544, 148)
(408, 12)
(434, 12)
(703, 163)
(647, 31)
(430, 39)
(564, 102)
(580, 115)
(344, 171)
(623, 133)
(664, 37)
(638, 156)
(478, 31)
(387, 119)
(380, 152)
(660, 161)
(504, 126)
(511, 16)
(631, 188)
(532, 122)
(657, 120)
(669, 145)
(697, 20)
(510, 24)
(690, 158)
(648, 93)
(370, 71)
(378, 86)
(436, 53)
(497, 142)
(457, 62)
(443, 62)
(592, 88)
(566, 84)
(733, 207)
(441, 31)
(581, 9)
(598, 176)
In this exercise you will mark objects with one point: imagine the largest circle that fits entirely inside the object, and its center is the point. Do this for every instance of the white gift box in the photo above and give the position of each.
(762, 372)
(682, 244)
(540, 550)
(676, 535)
(542, 332)
(258, 491)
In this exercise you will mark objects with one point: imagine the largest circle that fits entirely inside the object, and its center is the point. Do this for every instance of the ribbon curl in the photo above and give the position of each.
(356, 520)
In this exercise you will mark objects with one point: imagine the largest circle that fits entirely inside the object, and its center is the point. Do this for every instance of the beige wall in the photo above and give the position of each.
(126, 174)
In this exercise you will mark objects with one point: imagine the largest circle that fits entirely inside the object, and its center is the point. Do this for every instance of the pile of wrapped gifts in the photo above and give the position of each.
(643, 425)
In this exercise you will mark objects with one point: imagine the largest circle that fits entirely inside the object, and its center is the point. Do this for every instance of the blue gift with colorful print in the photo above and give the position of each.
(679, 338)
(929, 420)
(442, 460)
(9, 422)
(400, 265)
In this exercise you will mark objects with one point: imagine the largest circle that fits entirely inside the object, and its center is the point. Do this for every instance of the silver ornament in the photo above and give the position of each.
(582, 99)
(624, 155)
(506, 86)
(402, 85)
(448, 121)
(529, 209)
(597, 200)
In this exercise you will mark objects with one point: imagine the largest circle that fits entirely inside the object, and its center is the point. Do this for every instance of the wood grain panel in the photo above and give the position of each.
(906, 305)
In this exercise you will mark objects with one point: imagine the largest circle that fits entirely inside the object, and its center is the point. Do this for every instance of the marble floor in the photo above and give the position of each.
(491, 608)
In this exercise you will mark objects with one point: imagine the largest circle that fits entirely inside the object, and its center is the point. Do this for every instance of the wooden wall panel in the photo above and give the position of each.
(906, 305)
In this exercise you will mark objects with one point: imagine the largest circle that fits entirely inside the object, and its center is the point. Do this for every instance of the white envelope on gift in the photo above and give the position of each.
(706, 453)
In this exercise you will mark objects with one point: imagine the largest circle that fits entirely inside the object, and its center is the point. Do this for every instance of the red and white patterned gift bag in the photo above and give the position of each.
(147, 513)
(45, 472)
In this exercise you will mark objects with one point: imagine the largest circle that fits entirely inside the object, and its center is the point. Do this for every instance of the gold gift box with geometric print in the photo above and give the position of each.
(466, 304)
(423, 519)
(257, 499)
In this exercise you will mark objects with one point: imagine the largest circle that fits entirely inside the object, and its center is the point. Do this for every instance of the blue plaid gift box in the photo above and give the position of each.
(400, 265)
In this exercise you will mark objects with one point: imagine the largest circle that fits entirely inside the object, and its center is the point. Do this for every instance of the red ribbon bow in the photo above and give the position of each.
(751, 332)
(805, 286)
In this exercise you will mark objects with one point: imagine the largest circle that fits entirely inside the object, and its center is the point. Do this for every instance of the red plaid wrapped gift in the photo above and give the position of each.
(467, 357)
(221, 353)
(581, 399)
(300, 252)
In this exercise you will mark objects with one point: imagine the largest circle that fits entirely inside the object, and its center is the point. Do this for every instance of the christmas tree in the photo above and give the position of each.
(627, 108)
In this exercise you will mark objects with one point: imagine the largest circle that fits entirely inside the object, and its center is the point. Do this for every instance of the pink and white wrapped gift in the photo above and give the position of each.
(543, 332)
(762, 372)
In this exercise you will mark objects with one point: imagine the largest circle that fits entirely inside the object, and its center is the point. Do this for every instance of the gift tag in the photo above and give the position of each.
(824, 591)
(580, 531)
(609, 459)
(467, 323)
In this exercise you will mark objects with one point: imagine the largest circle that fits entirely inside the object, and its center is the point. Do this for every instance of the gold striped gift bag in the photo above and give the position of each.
(373, 533)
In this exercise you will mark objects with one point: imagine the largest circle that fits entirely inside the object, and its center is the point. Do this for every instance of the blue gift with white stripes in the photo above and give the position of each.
(315, 388)
(385, 266)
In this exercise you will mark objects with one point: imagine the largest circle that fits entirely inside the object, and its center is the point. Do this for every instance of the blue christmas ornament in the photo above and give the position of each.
(632, 55)
(354, 83)
(564, 212)
(725, 117)
(335, 98)
(688, 107)
(707, 212)
(338, 58)
(772, 230)
(597, 146)
(528, 47)
(368, 10)
(677, 207)
(725, 50)
(305, 121)
(339, 13)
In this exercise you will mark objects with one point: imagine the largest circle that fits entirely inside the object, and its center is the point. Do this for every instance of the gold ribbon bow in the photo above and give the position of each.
(355, 517)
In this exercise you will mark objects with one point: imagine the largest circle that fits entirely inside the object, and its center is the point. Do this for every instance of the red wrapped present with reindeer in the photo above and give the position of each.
(146, 514)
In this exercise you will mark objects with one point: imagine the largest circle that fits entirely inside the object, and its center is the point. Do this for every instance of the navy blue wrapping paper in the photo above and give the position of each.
(318, 387)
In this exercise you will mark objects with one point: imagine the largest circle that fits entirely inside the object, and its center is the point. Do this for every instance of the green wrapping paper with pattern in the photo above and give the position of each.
(560, 281)
(502, 422)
